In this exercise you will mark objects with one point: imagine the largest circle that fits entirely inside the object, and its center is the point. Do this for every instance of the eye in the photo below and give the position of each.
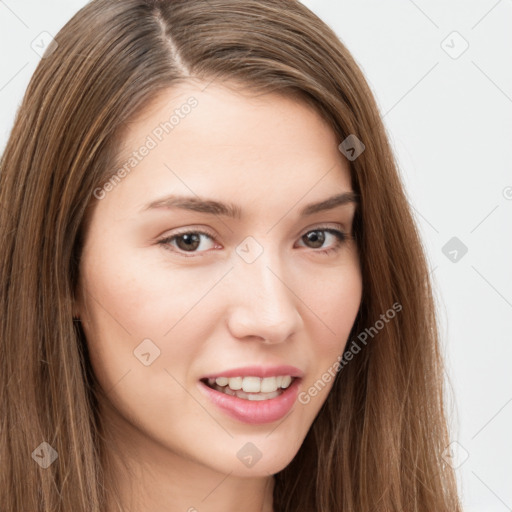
(189, 241)
(317, 238)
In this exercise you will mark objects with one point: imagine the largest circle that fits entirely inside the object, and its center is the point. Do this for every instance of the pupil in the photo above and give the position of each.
(187, 238)
(314, 237)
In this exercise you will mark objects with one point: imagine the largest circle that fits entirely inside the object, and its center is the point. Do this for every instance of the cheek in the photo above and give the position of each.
(133, 291)
(334, 304)
(131, 299)
(135, 338)
(334, 301)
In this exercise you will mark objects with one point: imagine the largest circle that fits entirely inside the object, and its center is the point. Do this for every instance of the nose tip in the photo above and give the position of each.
(251, 325)
(264, 309)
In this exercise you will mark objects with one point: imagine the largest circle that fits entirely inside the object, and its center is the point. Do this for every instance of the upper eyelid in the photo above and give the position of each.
(204, 231)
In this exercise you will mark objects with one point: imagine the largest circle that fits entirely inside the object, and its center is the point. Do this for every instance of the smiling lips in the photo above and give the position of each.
(254, 395)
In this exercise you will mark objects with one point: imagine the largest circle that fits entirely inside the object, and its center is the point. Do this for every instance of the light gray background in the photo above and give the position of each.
(449, 118)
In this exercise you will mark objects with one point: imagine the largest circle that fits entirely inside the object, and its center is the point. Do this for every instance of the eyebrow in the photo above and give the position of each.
(210, 206)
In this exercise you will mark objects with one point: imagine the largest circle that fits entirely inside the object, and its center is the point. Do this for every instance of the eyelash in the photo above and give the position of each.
(340, 236)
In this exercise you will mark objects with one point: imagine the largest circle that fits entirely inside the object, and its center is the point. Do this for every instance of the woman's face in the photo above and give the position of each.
(179, 291)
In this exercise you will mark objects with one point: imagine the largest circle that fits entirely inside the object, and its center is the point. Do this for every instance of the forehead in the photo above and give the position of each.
(215, 140)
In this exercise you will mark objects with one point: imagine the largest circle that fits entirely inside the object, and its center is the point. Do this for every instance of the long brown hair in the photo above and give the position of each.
(377, 443)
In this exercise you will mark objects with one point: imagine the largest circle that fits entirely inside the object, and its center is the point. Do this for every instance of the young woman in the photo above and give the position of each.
(213, 294)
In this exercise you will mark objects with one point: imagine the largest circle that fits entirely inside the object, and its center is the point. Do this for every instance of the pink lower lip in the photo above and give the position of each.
(254, 412)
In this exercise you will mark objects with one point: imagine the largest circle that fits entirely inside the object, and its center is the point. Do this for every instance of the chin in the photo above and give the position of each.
(258, 455)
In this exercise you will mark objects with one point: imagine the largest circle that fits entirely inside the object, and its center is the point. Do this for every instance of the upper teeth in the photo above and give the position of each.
(254, 384)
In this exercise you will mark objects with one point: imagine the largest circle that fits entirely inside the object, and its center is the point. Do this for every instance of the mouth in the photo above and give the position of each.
(251, 398)
(251, 387)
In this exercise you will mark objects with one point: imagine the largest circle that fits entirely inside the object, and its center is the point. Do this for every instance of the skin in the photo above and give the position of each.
(171, 449)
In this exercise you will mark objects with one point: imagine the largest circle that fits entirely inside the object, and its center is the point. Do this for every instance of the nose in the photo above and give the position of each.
(263, 303)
